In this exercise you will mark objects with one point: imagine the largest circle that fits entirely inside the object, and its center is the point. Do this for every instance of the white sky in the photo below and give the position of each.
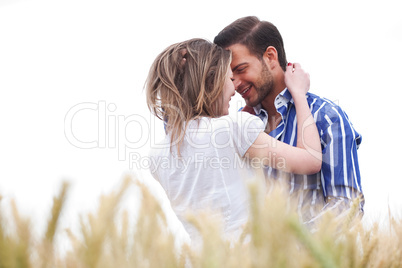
(55, 55)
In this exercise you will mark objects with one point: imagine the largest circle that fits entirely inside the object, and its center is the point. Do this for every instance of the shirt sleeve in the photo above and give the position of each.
(246, 128)
(340, 170)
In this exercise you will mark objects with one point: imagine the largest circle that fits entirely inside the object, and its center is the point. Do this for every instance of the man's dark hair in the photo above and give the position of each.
(256, 35)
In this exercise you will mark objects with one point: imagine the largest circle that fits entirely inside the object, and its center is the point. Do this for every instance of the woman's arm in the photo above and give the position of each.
(306, 158)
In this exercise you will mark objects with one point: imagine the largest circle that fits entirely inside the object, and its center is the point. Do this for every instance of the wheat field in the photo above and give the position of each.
(273, 237)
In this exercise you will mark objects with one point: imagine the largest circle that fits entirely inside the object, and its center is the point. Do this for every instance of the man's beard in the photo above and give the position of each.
(265, 85)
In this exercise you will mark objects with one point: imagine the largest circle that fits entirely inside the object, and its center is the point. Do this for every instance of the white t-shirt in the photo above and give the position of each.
(211, 172)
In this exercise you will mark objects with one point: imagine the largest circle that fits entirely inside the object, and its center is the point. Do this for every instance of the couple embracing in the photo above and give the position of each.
(293, 135)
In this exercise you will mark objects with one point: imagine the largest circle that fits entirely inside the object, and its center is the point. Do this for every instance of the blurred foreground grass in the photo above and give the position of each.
(273, 238)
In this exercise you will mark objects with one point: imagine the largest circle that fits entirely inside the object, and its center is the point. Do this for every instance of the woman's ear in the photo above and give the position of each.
(271, 57)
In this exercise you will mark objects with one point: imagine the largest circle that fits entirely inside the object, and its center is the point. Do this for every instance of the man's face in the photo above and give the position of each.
(252, 78)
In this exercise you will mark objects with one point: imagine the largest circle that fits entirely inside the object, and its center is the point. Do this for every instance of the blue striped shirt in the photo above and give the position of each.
(338, 182)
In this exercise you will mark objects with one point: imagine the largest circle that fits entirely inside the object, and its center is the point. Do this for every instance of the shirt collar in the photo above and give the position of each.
(282, 99)
(261, 113)
(258, 109)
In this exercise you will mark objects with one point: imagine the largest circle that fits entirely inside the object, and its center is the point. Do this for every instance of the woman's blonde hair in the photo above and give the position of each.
(186, 82)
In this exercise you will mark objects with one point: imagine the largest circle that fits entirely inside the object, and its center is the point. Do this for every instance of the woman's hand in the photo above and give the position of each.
(297, 80)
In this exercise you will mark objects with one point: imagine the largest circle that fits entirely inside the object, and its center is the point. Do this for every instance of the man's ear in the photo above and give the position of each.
(271, 57)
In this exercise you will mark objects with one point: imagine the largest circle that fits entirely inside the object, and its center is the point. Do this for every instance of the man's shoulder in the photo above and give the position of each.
(323, 105)
(315, 100)
(325, 110)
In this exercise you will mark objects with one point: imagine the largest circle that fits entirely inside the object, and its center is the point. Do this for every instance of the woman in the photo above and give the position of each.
(201, 161)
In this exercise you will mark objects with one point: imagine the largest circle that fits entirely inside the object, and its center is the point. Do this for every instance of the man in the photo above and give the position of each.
(258, 65)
